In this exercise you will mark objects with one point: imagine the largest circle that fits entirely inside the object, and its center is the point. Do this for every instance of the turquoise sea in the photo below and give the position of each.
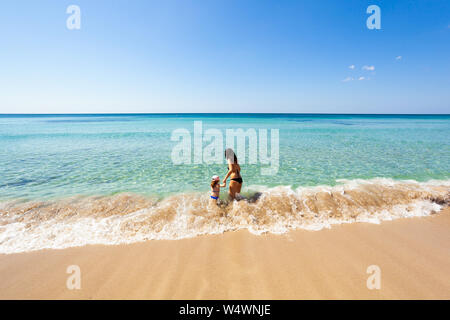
(73, 180)
(54, 156)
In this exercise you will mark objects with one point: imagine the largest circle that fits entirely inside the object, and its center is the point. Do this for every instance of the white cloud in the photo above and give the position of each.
(348, 79)
(361, 78)
(352, 66)
(398, 58)
(368, 68)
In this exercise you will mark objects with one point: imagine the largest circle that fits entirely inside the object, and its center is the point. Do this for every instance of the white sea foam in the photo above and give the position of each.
(128, 218)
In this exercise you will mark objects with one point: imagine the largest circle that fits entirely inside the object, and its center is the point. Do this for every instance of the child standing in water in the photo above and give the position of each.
(215, 188)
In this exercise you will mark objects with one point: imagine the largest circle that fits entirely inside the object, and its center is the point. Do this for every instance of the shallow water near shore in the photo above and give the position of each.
(71, 180)
(128, 218)
(50, 157)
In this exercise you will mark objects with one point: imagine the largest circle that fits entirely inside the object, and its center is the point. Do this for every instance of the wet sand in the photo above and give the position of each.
(413, 255)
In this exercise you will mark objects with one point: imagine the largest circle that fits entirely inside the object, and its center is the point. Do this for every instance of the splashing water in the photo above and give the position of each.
(128, 218)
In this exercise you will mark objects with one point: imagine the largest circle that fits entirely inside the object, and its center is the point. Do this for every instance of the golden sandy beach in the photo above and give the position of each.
(413, 255)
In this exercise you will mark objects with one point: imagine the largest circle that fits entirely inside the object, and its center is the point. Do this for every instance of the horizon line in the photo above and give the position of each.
(222, 113)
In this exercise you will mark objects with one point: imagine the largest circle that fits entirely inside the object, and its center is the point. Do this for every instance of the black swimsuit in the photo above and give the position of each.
(238, 180)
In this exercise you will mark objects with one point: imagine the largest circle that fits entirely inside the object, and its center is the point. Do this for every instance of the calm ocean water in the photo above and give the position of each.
(73, 180)
(53, 156)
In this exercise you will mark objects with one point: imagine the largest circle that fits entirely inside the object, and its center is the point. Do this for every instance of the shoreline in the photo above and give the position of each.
(327, 264)
(127, 218)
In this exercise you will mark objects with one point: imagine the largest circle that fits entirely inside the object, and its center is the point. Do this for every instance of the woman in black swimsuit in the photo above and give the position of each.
(234, 172)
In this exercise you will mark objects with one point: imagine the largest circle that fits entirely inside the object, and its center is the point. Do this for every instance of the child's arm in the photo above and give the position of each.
(223, 185)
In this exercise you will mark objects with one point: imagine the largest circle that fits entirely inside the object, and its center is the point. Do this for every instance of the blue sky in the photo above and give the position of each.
(225, 56)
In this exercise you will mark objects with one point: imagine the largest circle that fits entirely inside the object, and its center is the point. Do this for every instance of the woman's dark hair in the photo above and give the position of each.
(230, 155)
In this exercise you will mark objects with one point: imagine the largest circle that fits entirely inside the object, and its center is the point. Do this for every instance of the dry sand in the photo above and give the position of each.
(413, 254)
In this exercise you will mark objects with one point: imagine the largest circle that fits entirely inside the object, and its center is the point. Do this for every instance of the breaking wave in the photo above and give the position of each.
(128, 218)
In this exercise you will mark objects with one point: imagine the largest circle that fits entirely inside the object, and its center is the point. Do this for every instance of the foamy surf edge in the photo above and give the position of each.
(130, 218)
